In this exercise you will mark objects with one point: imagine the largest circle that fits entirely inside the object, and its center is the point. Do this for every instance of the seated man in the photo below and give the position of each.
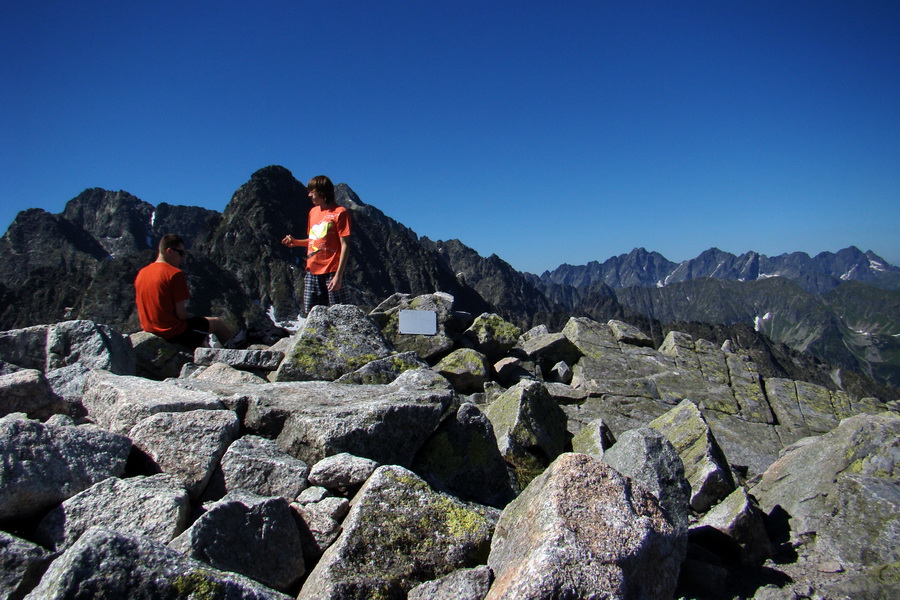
(161, 292)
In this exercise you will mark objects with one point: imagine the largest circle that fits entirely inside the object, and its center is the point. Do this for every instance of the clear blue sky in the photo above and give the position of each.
(545, 132)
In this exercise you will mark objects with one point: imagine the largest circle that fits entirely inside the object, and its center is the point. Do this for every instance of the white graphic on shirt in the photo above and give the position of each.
(317, 234)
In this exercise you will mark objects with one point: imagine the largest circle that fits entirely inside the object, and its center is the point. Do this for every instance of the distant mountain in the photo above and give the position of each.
(819, 274)
(843, 307)
(81, 264)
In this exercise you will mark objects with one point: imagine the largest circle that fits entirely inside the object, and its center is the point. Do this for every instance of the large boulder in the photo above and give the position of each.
(492, 335)
(426, 536)
(334, 341)
(386, 423)
(649, 458)
(28, 391)
(21, 565)
(835, 498)
(155, 507)
(705, 465)
(530, 428)
(248, 534)
(549, 349)
(48, 347)
(44, 465)
(384, 370)
(582, 530)
(156, 358)
(626, 333)
(342, 471)
(739, 518)
(257, 465)
(466, 369)
(109, 564)
(803, 482)
(428, 347)
(462, 458)
(188, 444)
(593, 339)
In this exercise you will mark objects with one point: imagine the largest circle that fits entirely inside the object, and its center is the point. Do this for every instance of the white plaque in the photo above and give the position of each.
(419, 322)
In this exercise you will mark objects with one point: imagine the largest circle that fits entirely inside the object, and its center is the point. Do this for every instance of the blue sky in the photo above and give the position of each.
(543, 132)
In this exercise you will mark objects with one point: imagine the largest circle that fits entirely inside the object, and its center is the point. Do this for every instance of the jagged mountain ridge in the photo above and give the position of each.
(819, 274)
(853, 326)
(824, 305)
(81, 264)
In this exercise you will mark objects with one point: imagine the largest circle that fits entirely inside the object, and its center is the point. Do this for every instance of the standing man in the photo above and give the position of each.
(161, 292)
(327, 247)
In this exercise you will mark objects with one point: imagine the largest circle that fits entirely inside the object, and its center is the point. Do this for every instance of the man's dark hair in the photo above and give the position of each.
(321, 185)
(170, 240)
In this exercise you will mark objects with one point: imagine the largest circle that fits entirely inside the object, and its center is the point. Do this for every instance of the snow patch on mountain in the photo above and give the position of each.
(758, 321)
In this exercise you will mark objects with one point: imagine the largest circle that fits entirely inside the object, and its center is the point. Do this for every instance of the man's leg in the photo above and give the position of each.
(195, 335)
(314, 292)
(340, 296)
(218, 328)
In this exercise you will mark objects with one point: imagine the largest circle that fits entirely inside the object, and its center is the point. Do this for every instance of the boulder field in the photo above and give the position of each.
(350, 460)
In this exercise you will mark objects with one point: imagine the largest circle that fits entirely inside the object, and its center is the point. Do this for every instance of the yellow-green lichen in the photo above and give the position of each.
(887, 573)
(197, 585)
(487, 326)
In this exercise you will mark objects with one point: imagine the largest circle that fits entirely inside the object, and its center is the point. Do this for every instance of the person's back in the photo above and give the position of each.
(159, 287)
(161, 291)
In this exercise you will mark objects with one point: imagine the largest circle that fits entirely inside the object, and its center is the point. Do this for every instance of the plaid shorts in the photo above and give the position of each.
(315, 292)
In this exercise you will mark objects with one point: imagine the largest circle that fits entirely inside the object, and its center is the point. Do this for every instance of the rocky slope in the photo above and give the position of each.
(353, 461)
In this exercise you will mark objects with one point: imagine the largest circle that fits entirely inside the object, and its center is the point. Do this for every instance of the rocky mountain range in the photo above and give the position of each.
(842, 308)
(819, 274)
(832, 319)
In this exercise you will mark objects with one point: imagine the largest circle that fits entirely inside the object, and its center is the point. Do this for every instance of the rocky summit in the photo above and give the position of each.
(351, 460)
(830, 319)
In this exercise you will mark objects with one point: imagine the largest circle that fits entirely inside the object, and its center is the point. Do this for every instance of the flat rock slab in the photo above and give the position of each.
(265, 360)
(313, 419)
(118, 403)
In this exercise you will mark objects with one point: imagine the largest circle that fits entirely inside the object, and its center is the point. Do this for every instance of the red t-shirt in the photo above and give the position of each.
(158, 288)
(326, 228)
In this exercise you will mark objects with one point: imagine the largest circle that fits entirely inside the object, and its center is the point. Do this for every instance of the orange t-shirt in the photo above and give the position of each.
(158, 288)
(326, 228)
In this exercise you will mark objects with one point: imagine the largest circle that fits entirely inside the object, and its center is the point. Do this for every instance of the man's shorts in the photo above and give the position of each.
(315, 292)
(195, 335)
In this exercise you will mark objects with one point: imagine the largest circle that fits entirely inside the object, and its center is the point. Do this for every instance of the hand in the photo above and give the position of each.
(288, 241)
(335, 283)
